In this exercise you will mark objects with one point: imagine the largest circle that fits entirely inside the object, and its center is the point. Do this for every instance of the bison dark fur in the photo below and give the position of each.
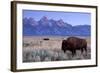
(74, 43)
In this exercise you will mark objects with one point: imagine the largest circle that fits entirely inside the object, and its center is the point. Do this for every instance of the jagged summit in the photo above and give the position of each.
(46, 26)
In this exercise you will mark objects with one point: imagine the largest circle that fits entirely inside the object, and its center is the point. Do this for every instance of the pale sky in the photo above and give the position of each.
(73, 18)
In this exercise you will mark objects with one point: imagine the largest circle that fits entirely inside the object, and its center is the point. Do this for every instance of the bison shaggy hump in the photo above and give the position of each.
(74, 43)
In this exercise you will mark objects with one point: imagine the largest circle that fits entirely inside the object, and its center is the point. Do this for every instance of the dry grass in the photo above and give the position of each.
(35, 49)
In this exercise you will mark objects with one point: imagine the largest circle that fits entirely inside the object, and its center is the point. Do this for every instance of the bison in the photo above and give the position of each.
(74, 43)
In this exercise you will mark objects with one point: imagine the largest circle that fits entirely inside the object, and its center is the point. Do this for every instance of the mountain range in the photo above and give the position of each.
(51, 27)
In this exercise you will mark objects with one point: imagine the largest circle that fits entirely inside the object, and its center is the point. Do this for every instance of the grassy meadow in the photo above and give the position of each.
(36, 49)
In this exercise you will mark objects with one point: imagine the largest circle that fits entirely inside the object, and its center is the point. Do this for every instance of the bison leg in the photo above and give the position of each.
(82, 49)
(85, 49)
(73, 52)
(64, 50)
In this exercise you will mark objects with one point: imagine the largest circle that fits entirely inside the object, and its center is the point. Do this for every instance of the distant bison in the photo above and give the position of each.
(46, 39)
(73, 43)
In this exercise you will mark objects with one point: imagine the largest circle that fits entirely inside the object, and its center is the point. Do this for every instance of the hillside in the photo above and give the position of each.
(46, 27)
